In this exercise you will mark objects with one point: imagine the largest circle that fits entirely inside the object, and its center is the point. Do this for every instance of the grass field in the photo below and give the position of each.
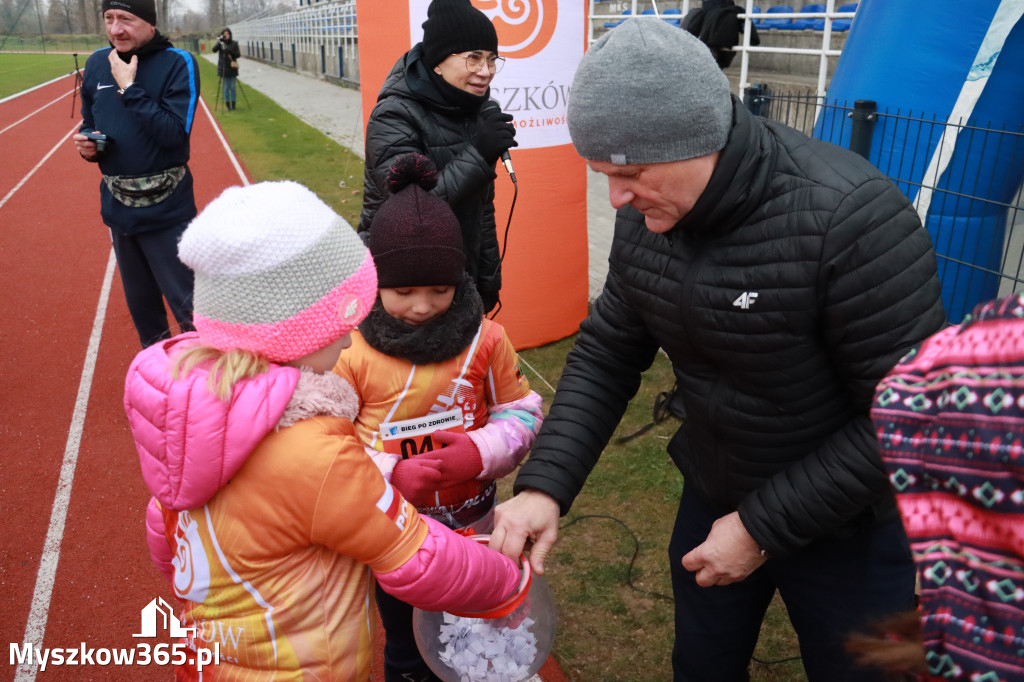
(609, 571)
(50, 44)
(20, 71)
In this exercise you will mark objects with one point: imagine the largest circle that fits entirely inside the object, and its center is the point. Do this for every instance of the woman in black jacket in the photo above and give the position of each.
(432, 103)
(227, 66)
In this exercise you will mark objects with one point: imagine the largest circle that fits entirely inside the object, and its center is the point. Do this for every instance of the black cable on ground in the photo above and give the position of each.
(632, 559)
(629, 575)
(662, 410)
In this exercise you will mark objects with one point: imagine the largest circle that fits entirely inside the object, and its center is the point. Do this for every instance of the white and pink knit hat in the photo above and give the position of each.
(278, 272)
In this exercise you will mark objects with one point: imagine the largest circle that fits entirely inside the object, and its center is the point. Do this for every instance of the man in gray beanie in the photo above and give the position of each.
(138, 103)
(783, 277)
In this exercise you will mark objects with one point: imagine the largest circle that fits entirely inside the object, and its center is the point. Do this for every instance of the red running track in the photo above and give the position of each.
(74, 566)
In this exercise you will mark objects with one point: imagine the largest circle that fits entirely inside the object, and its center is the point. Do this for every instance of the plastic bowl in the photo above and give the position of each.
(506, 644)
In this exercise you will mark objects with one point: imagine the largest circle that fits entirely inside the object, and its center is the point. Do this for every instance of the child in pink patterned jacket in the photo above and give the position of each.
(950, 423)
(268, 519)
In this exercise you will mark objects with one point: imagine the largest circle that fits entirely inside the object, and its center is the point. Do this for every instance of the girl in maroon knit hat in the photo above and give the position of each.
(445, 409)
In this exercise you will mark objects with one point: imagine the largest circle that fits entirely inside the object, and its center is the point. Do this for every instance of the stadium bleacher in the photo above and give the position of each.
(673, 15)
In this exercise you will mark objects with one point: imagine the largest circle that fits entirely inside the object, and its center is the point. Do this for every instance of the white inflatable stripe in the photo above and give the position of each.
(1007, 15)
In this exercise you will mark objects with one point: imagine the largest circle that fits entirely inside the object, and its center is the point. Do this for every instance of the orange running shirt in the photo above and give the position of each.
(391, 389)
(276, 567)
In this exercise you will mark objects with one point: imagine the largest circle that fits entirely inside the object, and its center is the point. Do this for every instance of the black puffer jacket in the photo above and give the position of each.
(412, 116)
(229, 52)
(799, 278)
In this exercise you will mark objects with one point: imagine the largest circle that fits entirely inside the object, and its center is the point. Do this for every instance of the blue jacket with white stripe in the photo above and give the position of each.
(148, 129)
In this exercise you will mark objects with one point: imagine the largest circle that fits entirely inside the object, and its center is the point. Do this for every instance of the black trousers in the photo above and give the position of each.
(832, 587)
(402, 659)
(150, 271)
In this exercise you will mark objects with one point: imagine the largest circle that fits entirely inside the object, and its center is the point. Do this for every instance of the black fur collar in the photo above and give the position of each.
(440, 339)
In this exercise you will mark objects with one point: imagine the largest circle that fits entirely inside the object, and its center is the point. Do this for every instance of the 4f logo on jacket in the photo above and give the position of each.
(745, 300)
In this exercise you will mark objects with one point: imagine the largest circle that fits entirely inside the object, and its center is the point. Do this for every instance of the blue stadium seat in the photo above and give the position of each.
(816, 24)
(613, 24)
(844, 24)
(756, 22)
(777, 23)
(673, 20)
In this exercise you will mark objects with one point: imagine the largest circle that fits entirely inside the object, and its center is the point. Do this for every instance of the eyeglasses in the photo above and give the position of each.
(475, 60)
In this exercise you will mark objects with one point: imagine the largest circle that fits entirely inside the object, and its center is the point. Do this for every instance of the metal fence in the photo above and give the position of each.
(322, 38)
(964, 179)
(834, 19)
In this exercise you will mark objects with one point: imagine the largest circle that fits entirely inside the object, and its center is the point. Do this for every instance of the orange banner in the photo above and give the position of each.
(544, 273)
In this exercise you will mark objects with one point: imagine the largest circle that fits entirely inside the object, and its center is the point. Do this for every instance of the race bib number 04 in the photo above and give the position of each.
(411, 437)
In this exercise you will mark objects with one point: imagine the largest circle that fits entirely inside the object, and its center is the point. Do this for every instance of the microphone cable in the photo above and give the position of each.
(504, 241)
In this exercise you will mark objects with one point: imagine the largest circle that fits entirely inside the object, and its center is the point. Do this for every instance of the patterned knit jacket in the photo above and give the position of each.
(950, 419)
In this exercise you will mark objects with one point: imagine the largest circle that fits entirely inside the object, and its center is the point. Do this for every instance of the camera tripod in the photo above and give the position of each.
(220, 90)
(78, 84)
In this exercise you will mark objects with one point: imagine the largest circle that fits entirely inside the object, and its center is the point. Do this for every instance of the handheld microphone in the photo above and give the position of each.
(506, 160)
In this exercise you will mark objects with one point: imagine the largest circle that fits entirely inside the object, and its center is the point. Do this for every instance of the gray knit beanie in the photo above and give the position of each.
(278, 272)
(648, 92)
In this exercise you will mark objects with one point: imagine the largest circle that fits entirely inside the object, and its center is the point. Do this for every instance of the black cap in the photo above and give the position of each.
(143, 9)
(455, 26)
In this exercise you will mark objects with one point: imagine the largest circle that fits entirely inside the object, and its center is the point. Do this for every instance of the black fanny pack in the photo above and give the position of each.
(144, 190)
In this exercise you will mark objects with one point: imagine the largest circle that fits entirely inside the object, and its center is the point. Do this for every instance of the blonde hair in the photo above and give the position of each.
(229, 367)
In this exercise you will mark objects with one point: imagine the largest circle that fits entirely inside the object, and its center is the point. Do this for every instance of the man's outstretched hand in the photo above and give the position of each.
(529, 517)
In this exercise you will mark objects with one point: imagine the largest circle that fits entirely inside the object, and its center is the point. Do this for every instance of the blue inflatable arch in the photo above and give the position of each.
(947, 68)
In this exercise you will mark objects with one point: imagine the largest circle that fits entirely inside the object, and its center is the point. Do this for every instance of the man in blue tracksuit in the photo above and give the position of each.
(142, 95)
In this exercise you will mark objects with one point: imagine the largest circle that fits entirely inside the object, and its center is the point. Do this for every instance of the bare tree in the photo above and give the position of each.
(215, 12)
(92, 17)
(19, 16)
(61, 17)
(191, 22)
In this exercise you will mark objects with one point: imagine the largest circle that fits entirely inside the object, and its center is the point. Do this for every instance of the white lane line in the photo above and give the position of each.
(25, 92)
(224, 143)
(45, 106)
(35, 629)
(38, 165)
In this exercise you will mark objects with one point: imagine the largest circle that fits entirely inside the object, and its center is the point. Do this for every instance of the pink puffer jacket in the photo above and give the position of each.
(191, 444)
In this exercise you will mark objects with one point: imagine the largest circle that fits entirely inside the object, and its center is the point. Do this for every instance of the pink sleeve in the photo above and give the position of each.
(450, 572)
(156, 537)
(385, 461)
(508, 435)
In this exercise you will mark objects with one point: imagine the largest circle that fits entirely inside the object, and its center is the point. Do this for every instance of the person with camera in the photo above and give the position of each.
(436, 102)
(227, 66)
(139, 100)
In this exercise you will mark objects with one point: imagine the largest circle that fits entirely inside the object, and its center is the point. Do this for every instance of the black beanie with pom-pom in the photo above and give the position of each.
(454, 26)
(415, 238)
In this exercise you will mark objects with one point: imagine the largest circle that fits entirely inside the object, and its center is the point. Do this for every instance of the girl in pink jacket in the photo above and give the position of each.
(444, 408)
(267, 517)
